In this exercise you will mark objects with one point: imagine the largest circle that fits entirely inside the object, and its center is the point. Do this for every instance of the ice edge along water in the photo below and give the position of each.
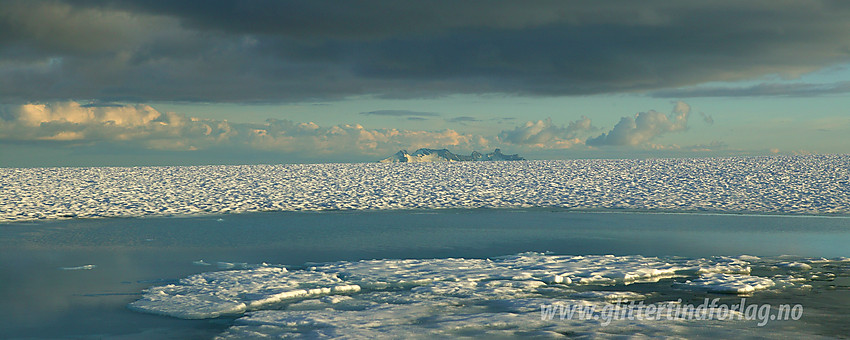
(814, 184)
(474, 297)
(459, 297)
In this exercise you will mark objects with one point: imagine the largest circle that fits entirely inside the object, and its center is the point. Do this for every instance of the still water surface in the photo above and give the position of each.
(42, 300)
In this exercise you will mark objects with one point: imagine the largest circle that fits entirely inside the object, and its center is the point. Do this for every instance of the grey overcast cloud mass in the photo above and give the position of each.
(278, 51)
(131, 82)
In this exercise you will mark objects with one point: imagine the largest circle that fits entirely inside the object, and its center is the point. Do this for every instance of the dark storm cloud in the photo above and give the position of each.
(463, 119)
(766, 89)
(272, 51)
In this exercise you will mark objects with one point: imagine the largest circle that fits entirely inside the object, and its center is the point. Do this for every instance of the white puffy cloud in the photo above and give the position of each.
(74, 122)
(644, 127)
(545, 134)
(75, 113)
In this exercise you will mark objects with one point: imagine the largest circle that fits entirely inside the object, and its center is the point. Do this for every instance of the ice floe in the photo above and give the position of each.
(83, 267)
(213, 294)
(795, 265)
(727, 283)
(813, 184)
(502, 297)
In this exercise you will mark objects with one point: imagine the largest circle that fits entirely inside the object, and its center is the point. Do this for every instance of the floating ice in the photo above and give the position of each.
(213, 294)
(607, 269)
(795, 265)
(83, 267)
(794, 184)
(457, 297)
(728, 265)
(727, 283)
(610, 295)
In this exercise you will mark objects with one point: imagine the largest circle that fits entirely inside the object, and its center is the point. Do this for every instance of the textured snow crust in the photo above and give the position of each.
(781, 184)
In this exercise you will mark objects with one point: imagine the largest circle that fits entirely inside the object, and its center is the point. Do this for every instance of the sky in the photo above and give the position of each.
(132, 83)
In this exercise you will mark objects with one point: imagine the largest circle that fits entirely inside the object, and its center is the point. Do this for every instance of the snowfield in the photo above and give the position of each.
(818, 184)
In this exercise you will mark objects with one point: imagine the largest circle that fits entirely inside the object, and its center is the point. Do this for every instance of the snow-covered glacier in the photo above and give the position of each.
(812, 184)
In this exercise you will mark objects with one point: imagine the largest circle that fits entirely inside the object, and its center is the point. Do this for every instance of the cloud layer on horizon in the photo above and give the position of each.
(142, 126)
(285, 51)
(759, 90)
(400, 113)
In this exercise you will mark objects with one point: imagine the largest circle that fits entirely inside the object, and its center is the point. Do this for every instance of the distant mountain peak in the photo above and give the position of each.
(444, 155)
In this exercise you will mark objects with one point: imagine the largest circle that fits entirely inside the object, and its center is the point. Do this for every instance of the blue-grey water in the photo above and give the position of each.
(41, 300)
